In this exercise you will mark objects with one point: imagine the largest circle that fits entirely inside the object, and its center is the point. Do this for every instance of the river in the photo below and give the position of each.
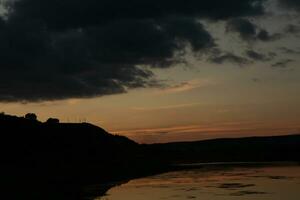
(214, 183)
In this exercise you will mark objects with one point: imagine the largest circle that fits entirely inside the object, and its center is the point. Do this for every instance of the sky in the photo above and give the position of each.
(155, 71)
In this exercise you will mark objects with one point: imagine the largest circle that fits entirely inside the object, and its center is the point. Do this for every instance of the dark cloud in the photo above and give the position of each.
(38, 65)
(291, 4)
(229, 57)
(256, 80)
(289, 51)
(61, 14)
(257, 56)
(249, 31)
(292, 29)
(245, 28)
(265, 36)
(283, 63)
(57, 49)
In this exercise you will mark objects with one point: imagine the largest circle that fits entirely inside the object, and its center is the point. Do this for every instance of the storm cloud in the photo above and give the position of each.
(282, 64)
(230, 58)
(291, 4)
(82, 13)
(257, 56)
(249, 31)
(58, 49)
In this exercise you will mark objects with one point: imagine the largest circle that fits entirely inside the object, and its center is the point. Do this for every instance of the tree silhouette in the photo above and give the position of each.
(31, 116)
(52, 121)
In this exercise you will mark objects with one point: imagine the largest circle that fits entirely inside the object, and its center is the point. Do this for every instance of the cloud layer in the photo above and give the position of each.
(292, 4)
(58, 49)
(249, 31)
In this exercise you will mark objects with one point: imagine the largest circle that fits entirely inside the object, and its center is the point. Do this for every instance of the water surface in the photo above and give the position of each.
(227, 183)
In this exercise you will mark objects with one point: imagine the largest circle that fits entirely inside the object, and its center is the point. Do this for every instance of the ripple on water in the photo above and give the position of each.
(268, 183)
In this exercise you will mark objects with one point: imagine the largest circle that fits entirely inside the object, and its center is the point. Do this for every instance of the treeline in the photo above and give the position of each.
(28, 116)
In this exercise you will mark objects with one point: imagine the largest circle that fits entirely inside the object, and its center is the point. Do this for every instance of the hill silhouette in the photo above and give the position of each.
(249, 149)
(63, 157)
(56, 155)
(30, 140)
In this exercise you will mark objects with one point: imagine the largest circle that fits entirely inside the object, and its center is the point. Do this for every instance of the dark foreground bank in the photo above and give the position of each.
(55, 160)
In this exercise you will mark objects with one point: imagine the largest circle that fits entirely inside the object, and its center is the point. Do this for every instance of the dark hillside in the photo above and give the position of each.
(30, 140)
(273, 148)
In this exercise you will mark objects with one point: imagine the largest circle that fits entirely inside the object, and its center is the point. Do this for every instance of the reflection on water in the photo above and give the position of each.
(273, 183)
